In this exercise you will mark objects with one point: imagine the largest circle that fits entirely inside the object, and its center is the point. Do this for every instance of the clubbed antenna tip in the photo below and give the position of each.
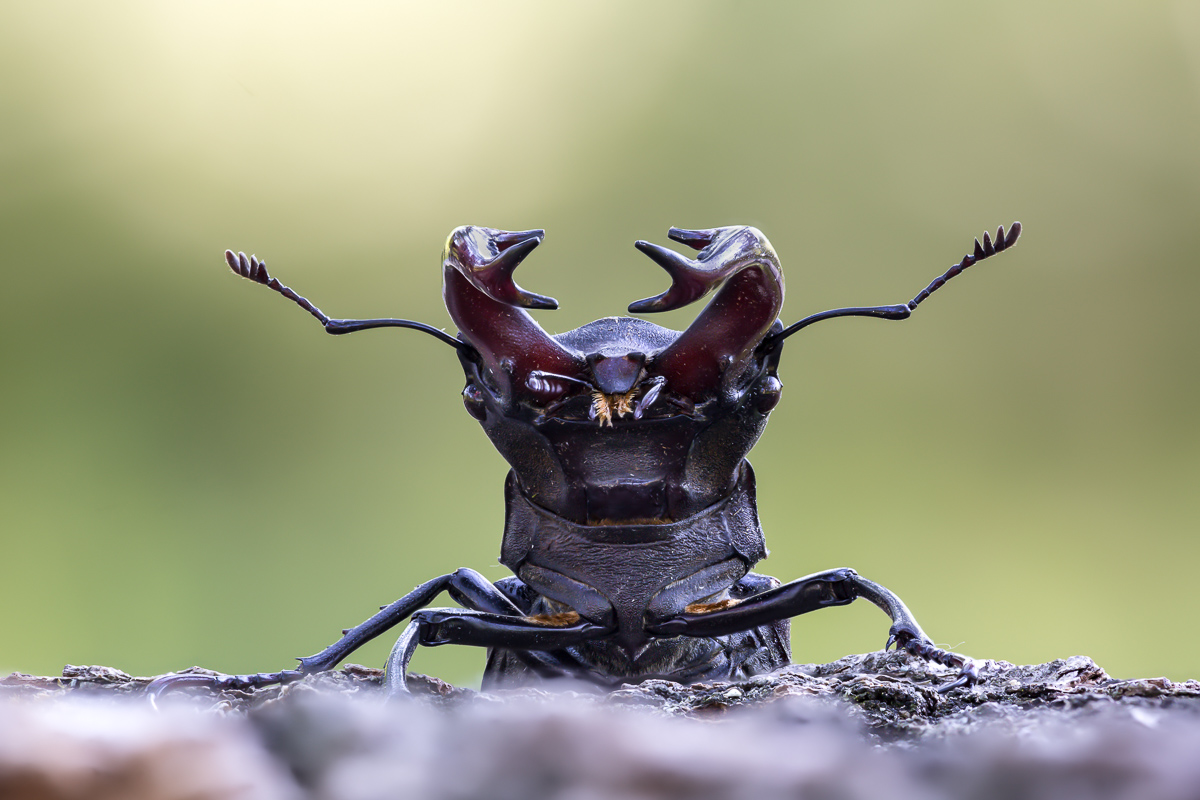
(989, 247)
(250, 267)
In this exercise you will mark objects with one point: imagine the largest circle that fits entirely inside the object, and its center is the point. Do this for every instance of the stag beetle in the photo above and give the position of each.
(631, 526)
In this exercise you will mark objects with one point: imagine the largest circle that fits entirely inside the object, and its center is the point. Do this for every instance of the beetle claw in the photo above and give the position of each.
(488, 257)
(685, 287)
(496, 274)
(968, 668)
(962, 680)
(968, 675)
(722, 250)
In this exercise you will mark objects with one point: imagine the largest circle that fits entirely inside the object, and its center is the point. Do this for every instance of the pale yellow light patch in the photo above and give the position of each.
(708, 608)
(559, 620)
(606, 405)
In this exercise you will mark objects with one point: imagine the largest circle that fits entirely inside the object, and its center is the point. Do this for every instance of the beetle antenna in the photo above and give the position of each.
(1002, 242)
(250, 267)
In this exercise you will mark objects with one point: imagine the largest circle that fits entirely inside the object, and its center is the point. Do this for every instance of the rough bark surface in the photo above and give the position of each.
(865, 726)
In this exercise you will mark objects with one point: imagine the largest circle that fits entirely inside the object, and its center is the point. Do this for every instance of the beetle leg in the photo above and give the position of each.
(437, 626)
(822, 590)
(466, 586)
(167, 683)
(906, 633)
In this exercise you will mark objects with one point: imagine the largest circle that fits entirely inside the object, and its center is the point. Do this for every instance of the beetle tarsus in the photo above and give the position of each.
(968, 668)
(968, 676)
(219, 682)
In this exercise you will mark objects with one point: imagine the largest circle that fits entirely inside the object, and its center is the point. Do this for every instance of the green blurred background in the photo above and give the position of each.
(192, 473)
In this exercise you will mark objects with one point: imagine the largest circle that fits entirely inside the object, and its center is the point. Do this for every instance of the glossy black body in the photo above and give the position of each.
(631, 525)
(638, 518)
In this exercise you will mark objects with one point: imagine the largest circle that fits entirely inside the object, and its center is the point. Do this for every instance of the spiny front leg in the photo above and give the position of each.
(466, 586)
(921, 647)
(532, 635)
(906, 633)
(835, 587)
(219, 682)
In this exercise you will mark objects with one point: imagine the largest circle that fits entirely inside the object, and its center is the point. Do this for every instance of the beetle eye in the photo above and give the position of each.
(770, 390)
(473, 400)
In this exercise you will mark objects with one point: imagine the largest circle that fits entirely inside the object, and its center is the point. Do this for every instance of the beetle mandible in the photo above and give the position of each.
(631, 527)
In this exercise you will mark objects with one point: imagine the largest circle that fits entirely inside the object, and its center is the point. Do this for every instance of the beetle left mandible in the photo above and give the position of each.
(631, 526)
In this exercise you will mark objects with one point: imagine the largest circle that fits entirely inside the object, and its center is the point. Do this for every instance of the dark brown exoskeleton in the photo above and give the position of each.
(631, 525)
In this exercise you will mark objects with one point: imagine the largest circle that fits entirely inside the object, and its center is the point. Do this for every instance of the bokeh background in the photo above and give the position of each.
(191, 472)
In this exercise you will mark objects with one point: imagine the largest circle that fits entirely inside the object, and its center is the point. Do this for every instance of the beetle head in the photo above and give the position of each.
(621, 418)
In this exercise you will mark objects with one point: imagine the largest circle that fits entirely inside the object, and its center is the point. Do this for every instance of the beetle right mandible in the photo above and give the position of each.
(631, 526)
